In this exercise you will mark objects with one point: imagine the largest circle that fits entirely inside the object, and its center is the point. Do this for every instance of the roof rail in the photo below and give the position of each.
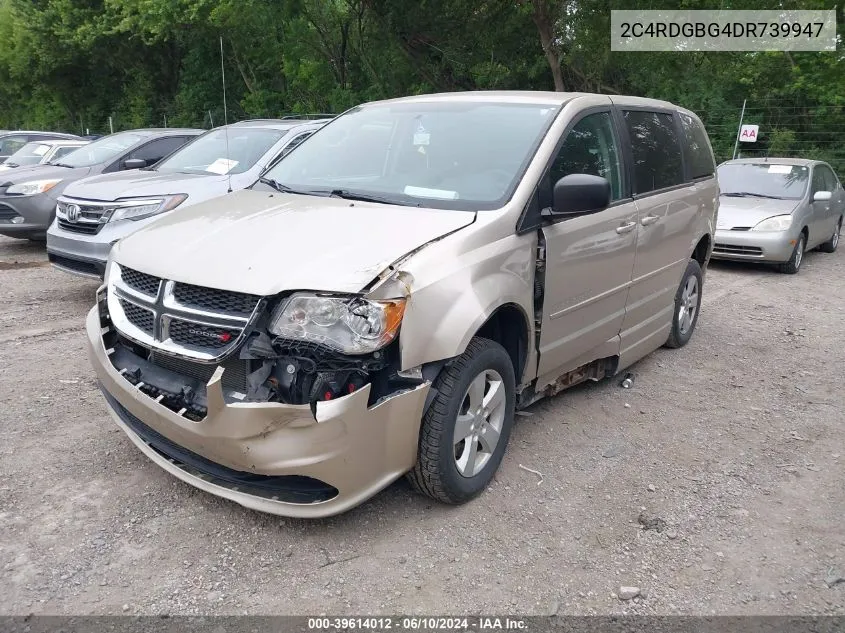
(317, 115)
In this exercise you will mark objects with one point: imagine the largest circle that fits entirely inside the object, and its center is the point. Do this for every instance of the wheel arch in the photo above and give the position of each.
(701, 251)
(508, 326)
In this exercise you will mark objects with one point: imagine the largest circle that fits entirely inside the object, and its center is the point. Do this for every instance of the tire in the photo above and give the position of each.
(687, 306)
(485, 366)
(793, 265)
(831, 245)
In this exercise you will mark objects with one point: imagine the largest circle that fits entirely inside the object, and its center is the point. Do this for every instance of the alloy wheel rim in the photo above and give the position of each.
(478, 426)
(836, 234)
(799, 255)
(688, 306)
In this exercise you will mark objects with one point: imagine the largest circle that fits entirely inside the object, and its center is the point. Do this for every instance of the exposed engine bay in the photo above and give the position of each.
(263, 368)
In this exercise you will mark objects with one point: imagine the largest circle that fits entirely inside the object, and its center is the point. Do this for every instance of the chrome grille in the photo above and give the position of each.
(145, 309)
(196, 335)
(141, 318)
(87, 229)
(142, 282)
(225, 301)
(82, 216)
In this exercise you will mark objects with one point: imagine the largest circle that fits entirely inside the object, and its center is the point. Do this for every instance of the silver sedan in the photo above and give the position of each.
(775, 209)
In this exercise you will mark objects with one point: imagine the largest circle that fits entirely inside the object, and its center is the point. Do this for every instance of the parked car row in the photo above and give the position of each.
(294, 330)
(95, 212)
(41, 152)
(11, 142)
(92, 197)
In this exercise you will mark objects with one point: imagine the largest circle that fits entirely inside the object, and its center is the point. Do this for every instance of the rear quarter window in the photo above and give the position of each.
(700, 162)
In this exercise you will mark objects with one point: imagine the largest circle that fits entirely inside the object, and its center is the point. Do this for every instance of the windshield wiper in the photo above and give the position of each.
(62, 165)
(283, 188)
(748, 194)
(11, 164)
(363, 197)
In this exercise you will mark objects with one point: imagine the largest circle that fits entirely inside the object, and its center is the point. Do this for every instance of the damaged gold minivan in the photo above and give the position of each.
(382, 301)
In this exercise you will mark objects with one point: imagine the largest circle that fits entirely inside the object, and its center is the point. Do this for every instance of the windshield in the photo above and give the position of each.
(209, 154)
(100, 151)
(447, 154)
(764, 180)
(29, 154)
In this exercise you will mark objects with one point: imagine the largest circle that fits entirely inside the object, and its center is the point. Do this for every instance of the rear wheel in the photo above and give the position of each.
(794, 264)
(466, 429)
(833, 242)
(687, 304)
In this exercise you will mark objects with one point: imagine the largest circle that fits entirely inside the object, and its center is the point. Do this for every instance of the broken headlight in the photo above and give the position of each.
(350, 325)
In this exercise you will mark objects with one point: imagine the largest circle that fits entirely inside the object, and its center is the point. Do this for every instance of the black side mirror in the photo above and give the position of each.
(134, 163)
(578, 194)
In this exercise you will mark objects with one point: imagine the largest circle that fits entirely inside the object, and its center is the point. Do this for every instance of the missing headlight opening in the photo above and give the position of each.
(263, 368)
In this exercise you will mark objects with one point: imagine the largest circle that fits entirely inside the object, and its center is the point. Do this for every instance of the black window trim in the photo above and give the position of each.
(281, 153)
(627, 140)
(686, 150)
(525, 224)
(115, 165)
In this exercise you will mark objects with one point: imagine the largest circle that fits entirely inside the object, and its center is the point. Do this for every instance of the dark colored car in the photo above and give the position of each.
(28, 195)
(11, 142)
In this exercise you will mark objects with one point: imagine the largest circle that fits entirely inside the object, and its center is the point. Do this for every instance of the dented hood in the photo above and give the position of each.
(264, 243)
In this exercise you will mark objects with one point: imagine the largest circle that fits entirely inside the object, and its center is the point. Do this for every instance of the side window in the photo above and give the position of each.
(61, 151)
(590, 147)
(656, 150)
(11, 144)
(819, 181)
(700, 161)
(287, 149)
(155, 150)
(830, 182)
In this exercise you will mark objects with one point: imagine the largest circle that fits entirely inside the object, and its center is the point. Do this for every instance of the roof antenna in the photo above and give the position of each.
(225, 119)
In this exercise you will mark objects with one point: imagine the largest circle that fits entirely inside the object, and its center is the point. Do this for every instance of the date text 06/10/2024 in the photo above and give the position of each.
(417, 623)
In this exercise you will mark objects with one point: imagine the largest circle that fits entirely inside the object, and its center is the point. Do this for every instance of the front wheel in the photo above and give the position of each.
(833, 242)
(687, 305)
(466, 429)
(794, 264)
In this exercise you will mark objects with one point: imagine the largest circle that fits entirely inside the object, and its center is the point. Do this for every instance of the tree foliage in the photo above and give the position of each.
(72, 64)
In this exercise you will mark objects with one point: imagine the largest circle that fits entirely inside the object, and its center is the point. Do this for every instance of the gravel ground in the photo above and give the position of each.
(730, 450)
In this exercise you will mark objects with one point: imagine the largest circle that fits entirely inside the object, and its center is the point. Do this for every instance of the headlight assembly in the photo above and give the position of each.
(350, 325)
(776, 223)
(144, 208)
(32, 187)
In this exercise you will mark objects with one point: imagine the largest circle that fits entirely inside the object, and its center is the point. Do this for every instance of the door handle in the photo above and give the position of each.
(649, 219)
(626, 228)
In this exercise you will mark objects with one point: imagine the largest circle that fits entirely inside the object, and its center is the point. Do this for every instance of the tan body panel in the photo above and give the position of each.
(356, 449)
(456, 285)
